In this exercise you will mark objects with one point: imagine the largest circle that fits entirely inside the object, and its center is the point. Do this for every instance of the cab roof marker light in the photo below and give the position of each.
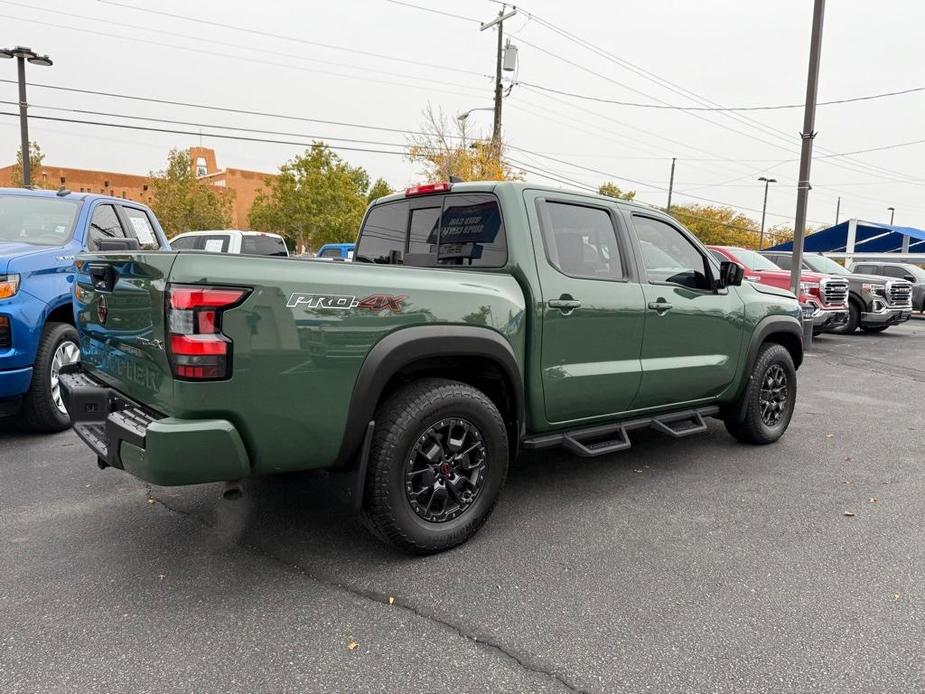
(427, 188)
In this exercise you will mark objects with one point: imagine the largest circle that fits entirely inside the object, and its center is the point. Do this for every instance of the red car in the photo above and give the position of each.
(824, 298)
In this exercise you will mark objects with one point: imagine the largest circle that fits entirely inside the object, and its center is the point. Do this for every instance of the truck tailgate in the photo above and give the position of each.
(119, 308)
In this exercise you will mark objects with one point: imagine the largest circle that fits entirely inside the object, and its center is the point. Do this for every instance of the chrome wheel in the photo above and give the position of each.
(446, 470)
(774, 397)
(67, 353)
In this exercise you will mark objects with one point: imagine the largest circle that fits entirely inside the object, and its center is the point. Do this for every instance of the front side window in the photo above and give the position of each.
(781, 261)
(753, 260)
(104, 224)
(36, 220)
(142, 228)
(865, 269)
(669, 256)
(582, 242)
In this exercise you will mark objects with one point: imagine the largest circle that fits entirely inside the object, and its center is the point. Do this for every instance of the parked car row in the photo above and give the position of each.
(870, 296)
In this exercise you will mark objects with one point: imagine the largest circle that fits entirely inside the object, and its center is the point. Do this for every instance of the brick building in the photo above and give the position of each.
(244, 184)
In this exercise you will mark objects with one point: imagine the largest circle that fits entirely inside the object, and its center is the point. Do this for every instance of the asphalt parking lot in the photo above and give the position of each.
(700, 565)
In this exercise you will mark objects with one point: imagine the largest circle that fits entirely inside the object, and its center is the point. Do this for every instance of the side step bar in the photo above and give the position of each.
(604, 439)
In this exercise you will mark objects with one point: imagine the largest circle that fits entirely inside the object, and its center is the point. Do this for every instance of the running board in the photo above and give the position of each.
(604, 439)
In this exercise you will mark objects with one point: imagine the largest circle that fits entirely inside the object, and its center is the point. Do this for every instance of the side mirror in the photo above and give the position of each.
(730, 274)
(909, 278)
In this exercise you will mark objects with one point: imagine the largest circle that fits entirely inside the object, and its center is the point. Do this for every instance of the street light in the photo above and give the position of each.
(892, 214)
(22, 54)
(764, 208)
(462, 116)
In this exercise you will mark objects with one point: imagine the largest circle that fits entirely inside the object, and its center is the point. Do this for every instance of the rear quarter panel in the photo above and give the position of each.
(295, 363)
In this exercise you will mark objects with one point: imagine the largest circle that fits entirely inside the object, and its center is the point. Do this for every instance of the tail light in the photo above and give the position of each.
(198, 350)
(427, 189)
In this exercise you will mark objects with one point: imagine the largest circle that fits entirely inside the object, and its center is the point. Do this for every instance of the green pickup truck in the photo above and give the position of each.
(477, 320)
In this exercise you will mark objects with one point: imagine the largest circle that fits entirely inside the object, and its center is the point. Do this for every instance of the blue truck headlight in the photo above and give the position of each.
(9, 285)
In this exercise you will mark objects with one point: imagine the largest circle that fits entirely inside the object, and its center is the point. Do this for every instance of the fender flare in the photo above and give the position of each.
(767, 326)
(407, 345)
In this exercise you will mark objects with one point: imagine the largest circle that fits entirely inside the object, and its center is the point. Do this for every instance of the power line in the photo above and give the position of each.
(429, 9)
(195, 133)
(418, 84)
(283, 37)
(673, 107)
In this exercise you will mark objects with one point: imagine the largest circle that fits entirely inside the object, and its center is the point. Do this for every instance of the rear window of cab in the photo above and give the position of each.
(455, 230)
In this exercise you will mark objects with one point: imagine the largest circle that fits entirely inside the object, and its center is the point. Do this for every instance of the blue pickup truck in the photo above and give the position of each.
(41, 232)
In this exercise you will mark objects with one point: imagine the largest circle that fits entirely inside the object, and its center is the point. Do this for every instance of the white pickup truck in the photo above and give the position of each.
(231, 241)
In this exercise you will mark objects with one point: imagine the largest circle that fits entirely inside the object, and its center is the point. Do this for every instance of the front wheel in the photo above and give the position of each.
(769, 398)
(438, 461)
(43, 408)
(854, 319)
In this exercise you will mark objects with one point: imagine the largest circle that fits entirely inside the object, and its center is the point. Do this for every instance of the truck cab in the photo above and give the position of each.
(41, 233)
(336, 251)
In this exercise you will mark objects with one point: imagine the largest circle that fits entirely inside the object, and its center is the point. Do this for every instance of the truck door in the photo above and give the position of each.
(693, 332)
(592, 310)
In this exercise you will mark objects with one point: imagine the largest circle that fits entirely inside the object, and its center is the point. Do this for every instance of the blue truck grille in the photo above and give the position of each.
(6, 334)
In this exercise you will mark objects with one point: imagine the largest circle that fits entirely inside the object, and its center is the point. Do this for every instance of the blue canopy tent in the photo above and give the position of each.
(859, 238)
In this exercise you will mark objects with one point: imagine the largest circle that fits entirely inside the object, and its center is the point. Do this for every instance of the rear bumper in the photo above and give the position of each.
(161, 450)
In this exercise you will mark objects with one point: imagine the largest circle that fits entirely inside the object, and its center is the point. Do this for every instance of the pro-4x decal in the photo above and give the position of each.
(343, 302)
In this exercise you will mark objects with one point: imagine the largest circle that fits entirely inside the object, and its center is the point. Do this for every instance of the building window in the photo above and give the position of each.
(201, 168)
(123, 195)
(62, 180)
(105, 184)
(145, 187)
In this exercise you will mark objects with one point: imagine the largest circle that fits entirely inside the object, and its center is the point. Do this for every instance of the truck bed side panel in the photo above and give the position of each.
(301, 337)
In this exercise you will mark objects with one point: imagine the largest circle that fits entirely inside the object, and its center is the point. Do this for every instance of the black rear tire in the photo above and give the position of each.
(767, 414)
(401, 478)
(40, 410)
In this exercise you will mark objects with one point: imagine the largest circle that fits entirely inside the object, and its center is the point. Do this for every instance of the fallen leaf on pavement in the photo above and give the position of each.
(391, 600)
(850, 514)
(352, 645)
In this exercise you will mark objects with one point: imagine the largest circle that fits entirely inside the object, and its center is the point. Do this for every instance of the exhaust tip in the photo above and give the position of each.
(232, 490)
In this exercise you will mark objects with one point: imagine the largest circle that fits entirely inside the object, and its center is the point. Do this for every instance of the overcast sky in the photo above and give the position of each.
(383, 62)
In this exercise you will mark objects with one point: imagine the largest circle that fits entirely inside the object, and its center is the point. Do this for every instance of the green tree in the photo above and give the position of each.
(614, 191)
(35, 162)
(184, 203)
(317, 198)
(722, 226)
(379, 189)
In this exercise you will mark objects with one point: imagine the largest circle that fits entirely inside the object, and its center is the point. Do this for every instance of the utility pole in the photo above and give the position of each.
(671, 184)
(806, 154)
(764, 208)
(496, 126)
(22, 54)
(837, 210)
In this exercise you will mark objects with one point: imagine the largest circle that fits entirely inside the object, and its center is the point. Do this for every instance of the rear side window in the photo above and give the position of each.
(263, 245)
(214, 243)
(330, 253)
(104, 224)
(582, 242)
(382, 239)
(141, 228)
(462, 229)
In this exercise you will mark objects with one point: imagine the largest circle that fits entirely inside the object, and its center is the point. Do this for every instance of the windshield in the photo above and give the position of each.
(820, 263)
(40, 221)
(752, 260)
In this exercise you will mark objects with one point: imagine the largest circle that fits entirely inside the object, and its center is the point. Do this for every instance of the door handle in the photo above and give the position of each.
(660, 307)
(564, 303)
